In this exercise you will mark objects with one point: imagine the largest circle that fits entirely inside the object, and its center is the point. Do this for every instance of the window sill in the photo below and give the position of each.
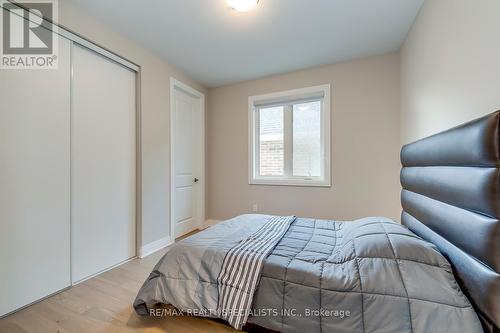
(290, 182)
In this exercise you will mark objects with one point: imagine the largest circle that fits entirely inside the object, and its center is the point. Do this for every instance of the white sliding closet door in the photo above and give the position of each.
(102, 163)
(34, 182)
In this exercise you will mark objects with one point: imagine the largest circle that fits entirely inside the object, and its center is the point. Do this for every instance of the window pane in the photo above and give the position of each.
(271, 145)
(307, 139)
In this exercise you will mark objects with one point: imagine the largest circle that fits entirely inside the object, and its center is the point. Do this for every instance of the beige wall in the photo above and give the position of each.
(365, 145)
(449, 74)
(155, 100)
(450, 66)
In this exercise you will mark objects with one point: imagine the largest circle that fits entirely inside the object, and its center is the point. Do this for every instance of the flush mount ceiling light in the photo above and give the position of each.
(242, 5)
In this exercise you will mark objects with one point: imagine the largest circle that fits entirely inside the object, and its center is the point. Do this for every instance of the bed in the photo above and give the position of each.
(437, 272)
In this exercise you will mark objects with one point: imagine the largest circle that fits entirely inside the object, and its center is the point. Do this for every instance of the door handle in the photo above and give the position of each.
(196, 180)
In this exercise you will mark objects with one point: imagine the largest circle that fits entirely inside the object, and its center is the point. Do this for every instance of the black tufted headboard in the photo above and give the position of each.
(451, 197)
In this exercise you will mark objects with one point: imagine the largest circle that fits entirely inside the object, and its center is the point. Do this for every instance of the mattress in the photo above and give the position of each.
(368, 275)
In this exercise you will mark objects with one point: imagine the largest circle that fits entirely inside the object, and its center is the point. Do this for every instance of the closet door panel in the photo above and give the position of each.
(34, 182)
(103, 163)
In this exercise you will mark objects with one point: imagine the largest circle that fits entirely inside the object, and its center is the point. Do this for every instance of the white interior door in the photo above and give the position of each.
(188, 143)
(102, 164)
(34, 182)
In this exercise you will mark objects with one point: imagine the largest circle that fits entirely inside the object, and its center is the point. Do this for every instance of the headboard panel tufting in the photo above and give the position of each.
(451, 197)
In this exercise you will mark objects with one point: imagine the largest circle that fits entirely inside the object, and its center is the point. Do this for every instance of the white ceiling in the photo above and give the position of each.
(216, 45)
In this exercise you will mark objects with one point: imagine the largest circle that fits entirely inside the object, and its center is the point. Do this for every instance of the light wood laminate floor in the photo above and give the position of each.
(104, 304)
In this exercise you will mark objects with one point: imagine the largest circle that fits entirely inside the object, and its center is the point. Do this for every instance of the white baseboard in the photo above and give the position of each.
(152, 247)
(209, 223)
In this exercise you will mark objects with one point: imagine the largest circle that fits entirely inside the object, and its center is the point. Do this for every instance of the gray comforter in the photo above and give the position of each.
(369, 275)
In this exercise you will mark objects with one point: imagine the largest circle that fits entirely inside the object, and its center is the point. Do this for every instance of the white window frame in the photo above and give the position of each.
(278, 98)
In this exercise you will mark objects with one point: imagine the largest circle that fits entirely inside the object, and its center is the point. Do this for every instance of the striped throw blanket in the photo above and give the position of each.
(241, 270)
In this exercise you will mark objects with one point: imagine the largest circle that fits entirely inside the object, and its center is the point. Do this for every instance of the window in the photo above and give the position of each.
(290, 137)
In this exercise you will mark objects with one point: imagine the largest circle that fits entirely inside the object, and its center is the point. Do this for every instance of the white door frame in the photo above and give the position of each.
(200, 97)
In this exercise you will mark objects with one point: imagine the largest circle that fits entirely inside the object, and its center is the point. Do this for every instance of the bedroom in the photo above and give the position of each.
(170, 134)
